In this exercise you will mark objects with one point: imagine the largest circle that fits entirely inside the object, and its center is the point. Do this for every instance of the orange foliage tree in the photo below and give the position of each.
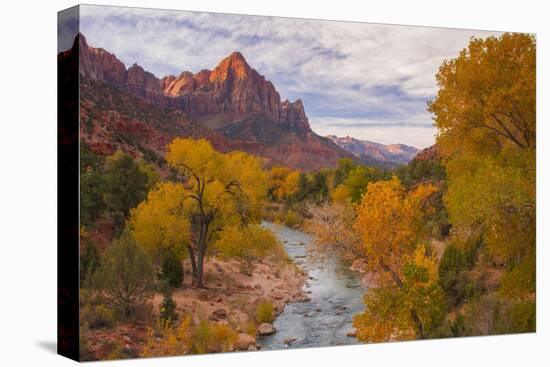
(410, 302)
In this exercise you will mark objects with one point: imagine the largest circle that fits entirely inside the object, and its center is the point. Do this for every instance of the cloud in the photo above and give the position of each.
(343, 71)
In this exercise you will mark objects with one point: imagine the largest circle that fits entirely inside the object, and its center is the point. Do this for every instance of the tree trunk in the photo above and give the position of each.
(200, 269)
(193, 265)
(417, 324)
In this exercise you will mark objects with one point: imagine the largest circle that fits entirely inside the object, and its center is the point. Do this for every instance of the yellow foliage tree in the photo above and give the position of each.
(222, 189)
(160, 223)
(245, 242)
(487, 96)
(389, 223)
(411, 310)
(283, 182)
(485, 111)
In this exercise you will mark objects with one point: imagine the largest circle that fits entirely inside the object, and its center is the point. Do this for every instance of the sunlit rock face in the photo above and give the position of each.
(233, 106)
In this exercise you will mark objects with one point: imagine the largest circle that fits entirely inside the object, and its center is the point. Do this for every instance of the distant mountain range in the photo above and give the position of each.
(375, 153)
(232, 105)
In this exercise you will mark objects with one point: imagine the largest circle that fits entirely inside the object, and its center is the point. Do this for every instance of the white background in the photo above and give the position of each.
(28, 182)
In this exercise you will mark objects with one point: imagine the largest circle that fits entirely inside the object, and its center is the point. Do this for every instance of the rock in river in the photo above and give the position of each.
(289, 341)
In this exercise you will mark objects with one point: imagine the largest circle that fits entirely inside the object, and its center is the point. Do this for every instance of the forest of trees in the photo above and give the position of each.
(476, 203)
(449, 240)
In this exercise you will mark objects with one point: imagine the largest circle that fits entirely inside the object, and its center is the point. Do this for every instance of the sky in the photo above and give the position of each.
(369, 81)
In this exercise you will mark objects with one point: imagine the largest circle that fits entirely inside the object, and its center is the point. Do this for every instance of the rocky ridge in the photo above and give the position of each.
(236, 107)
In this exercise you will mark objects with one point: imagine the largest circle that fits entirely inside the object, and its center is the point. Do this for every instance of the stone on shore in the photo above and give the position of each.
(219, 314)
(266, 329)
(245, 341)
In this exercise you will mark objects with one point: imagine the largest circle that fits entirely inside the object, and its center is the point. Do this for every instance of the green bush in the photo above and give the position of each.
(458, 326)
(519, 318)
(453, 260)
(168, 312)
(172, 270)
(89, 262)
(126, 276)
(264, 312)
(98, 316)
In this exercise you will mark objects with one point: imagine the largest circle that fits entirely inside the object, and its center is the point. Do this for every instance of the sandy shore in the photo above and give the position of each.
(231, 296)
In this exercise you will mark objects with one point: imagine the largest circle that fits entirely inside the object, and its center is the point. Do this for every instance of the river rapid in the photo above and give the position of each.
(336, 295)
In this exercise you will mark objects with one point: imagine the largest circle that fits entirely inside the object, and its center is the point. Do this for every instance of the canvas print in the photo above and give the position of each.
(246, 183)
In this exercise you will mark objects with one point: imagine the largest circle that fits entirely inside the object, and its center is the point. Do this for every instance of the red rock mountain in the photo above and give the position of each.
(429, 154)
(234, 90)
(233, 105)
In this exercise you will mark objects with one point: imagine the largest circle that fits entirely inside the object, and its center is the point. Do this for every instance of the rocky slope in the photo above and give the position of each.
(429, 154)
(376, 152)
(232, 105)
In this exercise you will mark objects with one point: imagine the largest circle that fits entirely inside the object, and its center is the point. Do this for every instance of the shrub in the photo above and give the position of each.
(453, 260)
(168, 340)
(291, 219)
(172, 270)
(519, 318)
(519, 282)
(249, 327)
(168, 312)
(126, 276)
(458, 326)
(210, 337)
(97, 316)
(264, 312)
(89, 262)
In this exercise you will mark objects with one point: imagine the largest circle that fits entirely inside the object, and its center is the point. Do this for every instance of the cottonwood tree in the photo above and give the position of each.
(221, 189)
(485, 111)
(487, 95)
(389, 221)
(246, 243)
(283, 183)
(161, 223)
(413, 309)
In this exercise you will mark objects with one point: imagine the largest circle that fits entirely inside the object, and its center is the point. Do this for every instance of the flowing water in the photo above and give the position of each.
(336, 296)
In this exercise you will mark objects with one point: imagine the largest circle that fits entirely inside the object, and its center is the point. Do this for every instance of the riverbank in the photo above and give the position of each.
(231, 297)
(271, 280)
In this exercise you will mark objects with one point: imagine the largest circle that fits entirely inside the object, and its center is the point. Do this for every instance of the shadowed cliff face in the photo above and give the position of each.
(232, 105)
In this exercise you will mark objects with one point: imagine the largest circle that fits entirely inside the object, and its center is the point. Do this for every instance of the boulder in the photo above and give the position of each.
(245, 341)
(351, 333)
(266, 329)
(289, 341)
(359, 265)
(219, 314)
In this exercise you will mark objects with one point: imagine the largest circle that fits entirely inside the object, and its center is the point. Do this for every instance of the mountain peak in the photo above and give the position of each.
(237, 56)
(234, 65)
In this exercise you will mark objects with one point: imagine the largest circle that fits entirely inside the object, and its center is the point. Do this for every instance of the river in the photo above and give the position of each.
(336, 296)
